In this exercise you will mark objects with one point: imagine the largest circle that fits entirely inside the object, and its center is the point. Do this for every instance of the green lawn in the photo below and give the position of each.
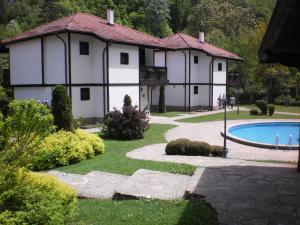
(169, 114)
(145, 212)
(279, 108)
(115, 161)
(233, 116)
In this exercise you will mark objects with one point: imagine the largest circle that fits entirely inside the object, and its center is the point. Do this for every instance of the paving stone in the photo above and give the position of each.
(154, 184)
(95, 185)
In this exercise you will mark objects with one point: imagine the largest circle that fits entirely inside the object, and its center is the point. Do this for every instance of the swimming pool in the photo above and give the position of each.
(267, 134)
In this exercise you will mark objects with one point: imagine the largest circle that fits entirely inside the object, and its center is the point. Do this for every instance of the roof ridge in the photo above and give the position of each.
(179, 34)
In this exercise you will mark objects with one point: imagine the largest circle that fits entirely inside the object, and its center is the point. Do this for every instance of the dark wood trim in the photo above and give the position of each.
(183, 52)
(78, 85)
(103, 80)
(215, 84)
(212, 84)
(42, 60)
(189, 80)
(70, 64)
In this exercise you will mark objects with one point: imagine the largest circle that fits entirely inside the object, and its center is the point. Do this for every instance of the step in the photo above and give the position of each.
(153, 184)
(94, 185)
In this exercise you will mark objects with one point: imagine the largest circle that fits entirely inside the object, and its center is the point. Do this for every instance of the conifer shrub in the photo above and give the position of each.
(161, 101)
(271, 109)
(254, 112)
(263, 106)
(32, 198)
(62, 109)
(127, 101)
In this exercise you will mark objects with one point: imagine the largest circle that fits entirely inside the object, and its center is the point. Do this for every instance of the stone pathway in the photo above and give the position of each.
(96, 184)
(154, 184)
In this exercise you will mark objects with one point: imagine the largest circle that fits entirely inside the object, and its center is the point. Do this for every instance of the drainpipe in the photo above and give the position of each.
(189, 80)
(211, 77)
(65, 54)
(70, 64)
(103, 80)
(183, 52)
(108, 44)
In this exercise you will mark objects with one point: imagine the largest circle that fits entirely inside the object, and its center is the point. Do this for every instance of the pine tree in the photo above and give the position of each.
(62, 109)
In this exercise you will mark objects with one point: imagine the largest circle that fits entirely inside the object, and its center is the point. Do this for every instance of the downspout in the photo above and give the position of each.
(211, 71)
(189, 80)
(65, 53)
(212, 86)
(42, 59)
(183, 52)
(103, 81)
(70, 66)
(108, 44)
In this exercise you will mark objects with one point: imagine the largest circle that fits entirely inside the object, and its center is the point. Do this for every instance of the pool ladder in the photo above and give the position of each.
(289, 141)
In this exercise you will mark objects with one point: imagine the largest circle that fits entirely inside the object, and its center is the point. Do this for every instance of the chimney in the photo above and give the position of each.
(201, 36)
(110, 15)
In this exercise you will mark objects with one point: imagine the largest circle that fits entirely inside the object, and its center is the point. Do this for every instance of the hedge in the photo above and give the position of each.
(64, 148)
(184, 146)
(32, 198)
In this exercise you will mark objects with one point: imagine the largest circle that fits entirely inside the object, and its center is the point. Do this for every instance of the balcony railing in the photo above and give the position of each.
(153, 75)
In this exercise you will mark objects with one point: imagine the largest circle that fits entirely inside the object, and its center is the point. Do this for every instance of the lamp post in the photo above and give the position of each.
(225, 150)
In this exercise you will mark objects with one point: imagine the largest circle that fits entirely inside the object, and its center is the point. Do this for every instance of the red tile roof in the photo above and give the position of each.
(184, 41)
(81, 22)
(90, 24)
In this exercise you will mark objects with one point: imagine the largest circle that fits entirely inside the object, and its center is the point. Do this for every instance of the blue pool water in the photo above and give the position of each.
(265, 133)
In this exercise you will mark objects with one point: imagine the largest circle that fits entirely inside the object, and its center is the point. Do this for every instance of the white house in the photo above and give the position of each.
(99, 62)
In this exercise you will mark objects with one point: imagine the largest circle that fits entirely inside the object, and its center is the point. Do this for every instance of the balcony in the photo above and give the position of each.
(153, 76)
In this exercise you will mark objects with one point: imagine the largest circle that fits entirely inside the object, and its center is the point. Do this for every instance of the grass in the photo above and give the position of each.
(146, 212)
(279, 108)
(114, 159)
(233, 116)
(169, 114)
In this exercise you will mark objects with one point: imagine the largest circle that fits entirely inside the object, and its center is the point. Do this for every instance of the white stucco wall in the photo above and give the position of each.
(36, 93)
(200, 71)
(86, 68)
(202, 98)
(117, 93)
(25, 62)
(92, 108)
(54, 59)
(220, 76)
(159, 59)
(119, 73)
(175, 64)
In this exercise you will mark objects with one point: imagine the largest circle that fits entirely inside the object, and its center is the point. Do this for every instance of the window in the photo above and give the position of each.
(220, 66)
(85, 94)
(196, 59)
(196, 91)
(84, 48)
(124, 58)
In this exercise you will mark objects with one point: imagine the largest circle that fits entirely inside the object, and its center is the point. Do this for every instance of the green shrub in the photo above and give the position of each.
(127, 101)
(184, 146)
(254, 112)
(198, 148)
(161, 101)
(127, 125)
(63, 148)
(216, 150)
(263, 106)
(62, 109)
(177, 147)
(24, 129)
(31, 198)
(271, 109)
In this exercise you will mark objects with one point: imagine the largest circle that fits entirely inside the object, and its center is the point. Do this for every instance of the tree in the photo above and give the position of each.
(156, 18)
(26, 125)
(162, 103)
(62, 109)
